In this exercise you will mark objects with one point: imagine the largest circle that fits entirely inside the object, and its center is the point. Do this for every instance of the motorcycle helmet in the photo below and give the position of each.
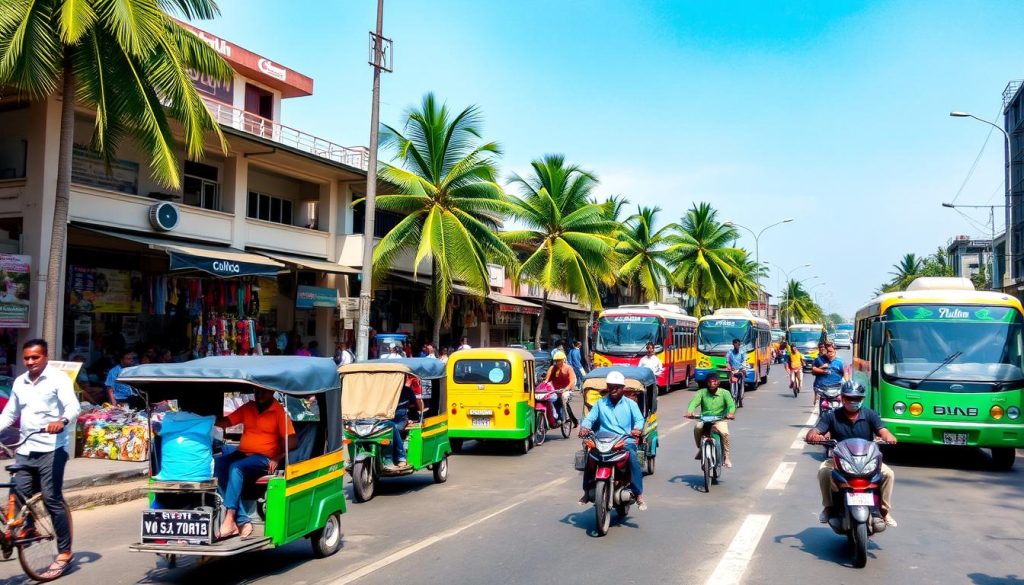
(852, 389)
(615, 378)
(559, 355)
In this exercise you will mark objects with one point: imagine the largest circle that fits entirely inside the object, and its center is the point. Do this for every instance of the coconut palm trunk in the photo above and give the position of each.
(540, 318)
(58, 238)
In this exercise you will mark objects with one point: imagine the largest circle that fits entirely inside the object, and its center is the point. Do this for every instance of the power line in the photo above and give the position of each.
(974, 166)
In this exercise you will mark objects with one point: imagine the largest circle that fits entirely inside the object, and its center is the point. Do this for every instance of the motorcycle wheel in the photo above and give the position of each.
(603, 506)
(364, 480)
(540, 433)
(860, 545)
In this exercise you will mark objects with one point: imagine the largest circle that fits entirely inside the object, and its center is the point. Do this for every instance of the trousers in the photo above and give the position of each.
(46, 475)
(723, 429)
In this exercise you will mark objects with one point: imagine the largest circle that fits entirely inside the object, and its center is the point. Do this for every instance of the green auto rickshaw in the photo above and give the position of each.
(303, 499)
(370, 397)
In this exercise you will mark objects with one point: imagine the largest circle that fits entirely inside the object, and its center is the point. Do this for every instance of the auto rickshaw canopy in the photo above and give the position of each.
(637, 378)
(294, 375)
(372, 389)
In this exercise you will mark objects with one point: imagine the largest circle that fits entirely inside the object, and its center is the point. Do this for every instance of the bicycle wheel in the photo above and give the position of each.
(37, 554)
(706, 463)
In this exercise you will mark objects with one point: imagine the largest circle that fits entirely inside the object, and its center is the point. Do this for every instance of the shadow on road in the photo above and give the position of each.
(695, 482)
(493, 448)
(983, 579)
(585, 520)
(243, 568)
(80, 560)
(824, 544)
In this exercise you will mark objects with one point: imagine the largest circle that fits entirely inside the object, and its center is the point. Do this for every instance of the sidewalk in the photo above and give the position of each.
(100, 482)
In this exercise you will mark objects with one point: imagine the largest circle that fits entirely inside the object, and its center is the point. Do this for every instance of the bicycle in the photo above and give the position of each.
(26, 525)
(737, 385)
(711, 457)
(794, 382)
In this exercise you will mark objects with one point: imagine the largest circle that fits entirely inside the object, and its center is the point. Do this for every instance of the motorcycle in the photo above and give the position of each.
(606, 451)
(546, 399)
(856, 482)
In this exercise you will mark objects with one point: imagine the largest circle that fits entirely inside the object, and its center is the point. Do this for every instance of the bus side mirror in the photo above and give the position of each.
(877, 334)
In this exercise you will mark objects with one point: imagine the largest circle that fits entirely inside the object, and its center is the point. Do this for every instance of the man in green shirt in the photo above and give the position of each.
(713, 402)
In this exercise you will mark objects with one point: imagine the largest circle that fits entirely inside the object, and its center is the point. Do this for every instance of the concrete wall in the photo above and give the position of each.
(13, 142)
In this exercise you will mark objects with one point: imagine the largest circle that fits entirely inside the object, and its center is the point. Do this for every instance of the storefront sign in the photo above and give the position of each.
(222, 91)
(268, 294)
(276, 71)
(14, 283)
(103, 290)
(519, 309)
(309, 297)
(89, 168)
(219, 267)
(496, 275)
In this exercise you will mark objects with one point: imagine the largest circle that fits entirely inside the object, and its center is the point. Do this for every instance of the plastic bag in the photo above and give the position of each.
(186, 442)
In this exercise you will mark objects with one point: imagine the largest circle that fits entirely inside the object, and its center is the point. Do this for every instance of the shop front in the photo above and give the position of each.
(512, 320)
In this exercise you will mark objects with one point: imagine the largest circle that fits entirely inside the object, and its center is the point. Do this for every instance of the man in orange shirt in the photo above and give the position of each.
(266, 434)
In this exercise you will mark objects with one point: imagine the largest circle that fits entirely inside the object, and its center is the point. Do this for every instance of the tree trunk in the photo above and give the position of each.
(55, 264)
(540, 318)
(438, 306)
(586, 341)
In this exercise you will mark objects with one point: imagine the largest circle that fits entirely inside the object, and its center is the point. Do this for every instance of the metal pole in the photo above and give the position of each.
(365, 288)
(992, 248)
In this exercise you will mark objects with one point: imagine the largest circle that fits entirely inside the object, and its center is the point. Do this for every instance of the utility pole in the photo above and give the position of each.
(992, 242)
(380, 60)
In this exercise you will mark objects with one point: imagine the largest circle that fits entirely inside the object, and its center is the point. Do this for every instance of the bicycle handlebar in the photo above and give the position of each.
(10, 448)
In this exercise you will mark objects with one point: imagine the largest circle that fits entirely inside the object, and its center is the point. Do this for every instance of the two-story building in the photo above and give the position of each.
(244, 254)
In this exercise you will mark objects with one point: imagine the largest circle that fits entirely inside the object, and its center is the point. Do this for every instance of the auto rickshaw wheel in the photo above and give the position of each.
(327, 540)
(364, 481)
(441, 470)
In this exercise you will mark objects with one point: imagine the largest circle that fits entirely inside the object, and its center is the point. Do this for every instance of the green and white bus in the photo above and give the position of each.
(944, 365)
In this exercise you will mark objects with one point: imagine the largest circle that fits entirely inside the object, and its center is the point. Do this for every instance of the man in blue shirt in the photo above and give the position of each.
(118, 393)
(576, 362)
(615, 414)
(735, 359)
(828, 369)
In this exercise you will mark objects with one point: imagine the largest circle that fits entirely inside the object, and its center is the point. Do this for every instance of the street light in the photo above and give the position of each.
(1009, 189)
(757, 252)
(787, 273)
(992, 242)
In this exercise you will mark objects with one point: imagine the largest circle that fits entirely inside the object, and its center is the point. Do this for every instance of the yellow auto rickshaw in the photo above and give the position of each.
(490, 396)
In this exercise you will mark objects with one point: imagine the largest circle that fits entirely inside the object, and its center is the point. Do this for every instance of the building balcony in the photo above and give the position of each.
(358, 157)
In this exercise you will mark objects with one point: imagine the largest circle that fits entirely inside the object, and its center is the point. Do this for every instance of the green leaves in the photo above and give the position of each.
(130, 61)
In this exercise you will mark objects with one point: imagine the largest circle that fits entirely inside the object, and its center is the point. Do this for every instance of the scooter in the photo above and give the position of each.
(545, 401)
(607, 452)
(856, 482)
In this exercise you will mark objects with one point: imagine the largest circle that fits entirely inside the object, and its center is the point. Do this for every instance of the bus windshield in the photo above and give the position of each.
(627, 334)
(716, 335)
(804, 336)
(980, 344)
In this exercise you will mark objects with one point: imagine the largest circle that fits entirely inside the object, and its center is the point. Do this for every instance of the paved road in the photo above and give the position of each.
(505, 518)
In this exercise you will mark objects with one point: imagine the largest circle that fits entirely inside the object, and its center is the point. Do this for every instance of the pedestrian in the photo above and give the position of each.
(342, 356)
(559, 347)
(464, 344)
(444, 355)
(118, 393)
(428, 351)
(576, 362)
(44, 398)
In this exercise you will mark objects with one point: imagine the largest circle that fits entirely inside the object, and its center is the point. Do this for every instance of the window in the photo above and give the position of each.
(269, 208)
(482, 372)
(201, 187)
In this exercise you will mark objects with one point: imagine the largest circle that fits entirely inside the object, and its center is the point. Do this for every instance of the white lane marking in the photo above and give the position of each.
(676, 428)
(811, 420)
(799, 442)
(415, 548)
(781, 476)
(736, 558)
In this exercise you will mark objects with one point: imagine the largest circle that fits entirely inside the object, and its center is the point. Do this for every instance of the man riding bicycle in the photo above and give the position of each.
(714, 403)
(613, 414)
(736, 362)
(828, 371)
(795, 367)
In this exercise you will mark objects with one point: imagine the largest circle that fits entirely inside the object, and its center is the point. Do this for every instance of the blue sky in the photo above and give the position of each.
(832, 113)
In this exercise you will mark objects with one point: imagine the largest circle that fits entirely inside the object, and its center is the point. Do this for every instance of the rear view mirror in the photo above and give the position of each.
(877, 334)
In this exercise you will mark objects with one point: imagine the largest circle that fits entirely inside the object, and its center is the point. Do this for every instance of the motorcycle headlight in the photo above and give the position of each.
(871, 466)
(846, 466)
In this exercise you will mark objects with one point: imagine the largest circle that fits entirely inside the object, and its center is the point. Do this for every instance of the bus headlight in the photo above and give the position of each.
(1013, 413)
(996, 411)
(899, 408)
(916, 409)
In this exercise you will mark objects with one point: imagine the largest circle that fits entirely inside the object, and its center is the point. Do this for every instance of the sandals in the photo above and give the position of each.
(245, 531)
(56, 569)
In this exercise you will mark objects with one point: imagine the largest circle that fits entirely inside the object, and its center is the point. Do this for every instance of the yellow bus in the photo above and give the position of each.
(714, 339)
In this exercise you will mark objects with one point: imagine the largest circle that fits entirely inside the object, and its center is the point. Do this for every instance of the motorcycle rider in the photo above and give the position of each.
(613, 414)
(853, 422)
(713, 402)
(828, 370)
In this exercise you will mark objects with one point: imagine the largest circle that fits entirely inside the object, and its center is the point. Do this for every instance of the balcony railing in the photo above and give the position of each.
(358, 157)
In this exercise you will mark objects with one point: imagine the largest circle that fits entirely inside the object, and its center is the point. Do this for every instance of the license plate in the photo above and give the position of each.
(860, 499)
(481, 412)
(481, 421)
(192, 526)
(954, 438)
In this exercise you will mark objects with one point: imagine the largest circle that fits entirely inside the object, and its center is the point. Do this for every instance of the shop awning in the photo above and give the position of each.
(571, 307)
(216, 260)
(310, 263)
(509, 304)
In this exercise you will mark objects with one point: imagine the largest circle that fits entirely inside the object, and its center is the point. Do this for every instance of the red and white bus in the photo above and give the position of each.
(623, 334)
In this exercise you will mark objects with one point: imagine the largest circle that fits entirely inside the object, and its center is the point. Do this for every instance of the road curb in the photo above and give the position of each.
(106, 495)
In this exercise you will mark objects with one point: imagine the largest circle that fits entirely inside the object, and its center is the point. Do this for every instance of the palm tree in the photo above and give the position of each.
(798, 306)
(705, 262)
(904, 272)
(745, 287)
(569, 242)
(614, 206)
(645, 260)
(127, 60)
(447, 192)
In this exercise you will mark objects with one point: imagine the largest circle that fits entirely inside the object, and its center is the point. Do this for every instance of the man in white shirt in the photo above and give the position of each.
(343, 356)
(44, 398)
(651, 361)
(464, 344)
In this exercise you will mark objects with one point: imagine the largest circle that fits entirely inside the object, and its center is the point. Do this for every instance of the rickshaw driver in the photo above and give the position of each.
(613, 414)
(411, 392)
(267, 431)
